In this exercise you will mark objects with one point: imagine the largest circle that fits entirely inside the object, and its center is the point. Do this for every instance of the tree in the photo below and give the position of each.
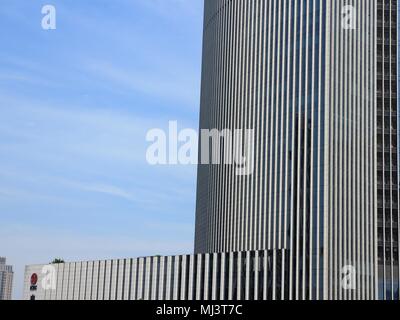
(57, 261)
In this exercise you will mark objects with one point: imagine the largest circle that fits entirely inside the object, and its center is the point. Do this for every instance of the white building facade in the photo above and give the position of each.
(251, 275)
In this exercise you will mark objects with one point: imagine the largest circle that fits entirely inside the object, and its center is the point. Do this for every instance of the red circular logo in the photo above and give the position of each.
(34, 279)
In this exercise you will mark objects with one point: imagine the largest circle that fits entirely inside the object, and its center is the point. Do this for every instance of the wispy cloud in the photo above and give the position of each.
(76, 104)
(103, 189)
(162, 84)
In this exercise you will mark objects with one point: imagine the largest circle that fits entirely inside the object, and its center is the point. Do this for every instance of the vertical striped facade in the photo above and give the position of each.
(387, 126)
(351, 216)
(251, 275)
(292, 71)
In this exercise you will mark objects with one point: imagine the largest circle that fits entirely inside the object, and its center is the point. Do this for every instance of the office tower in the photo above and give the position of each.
(6, 280)
(304, 75)
(387, 160)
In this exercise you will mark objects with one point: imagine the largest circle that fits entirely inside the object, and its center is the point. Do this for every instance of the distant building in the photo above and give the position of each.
(6, 280)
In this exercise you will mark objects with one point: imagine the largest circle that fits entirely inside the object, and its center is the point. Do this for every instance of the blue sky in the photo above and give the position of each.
(76, 104)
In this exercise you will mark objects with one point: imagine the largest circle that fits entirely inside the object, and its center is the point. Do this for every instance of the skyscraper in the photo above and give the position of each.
(317, 81)
(387, 160)
(6, 280)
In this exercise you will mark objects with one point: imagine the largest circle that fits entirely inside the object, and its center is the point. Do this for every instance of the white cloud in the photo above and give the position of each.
(168, 85)
(103, 189)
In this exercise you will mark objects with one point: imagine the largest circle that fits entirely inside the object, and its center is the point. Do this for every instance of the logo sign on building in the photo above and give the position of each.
(34, 281)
